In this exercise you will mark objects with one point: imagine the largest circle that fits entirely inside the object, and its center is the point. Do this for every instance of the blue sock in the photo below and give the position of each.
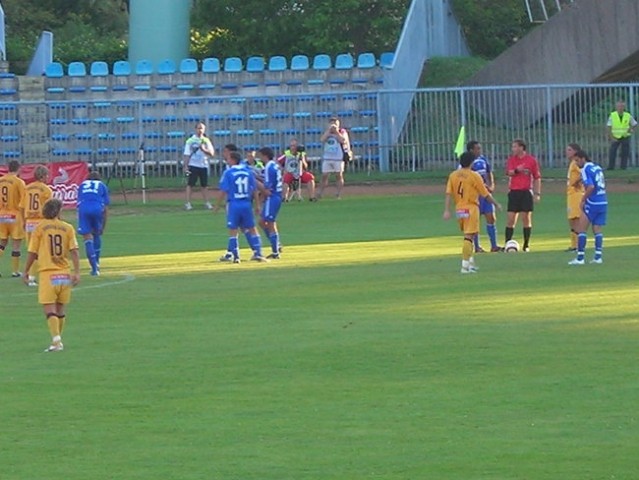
(247, 235)
(97, 247)
(256, 245)
(88, 246)
(598, 245)
(233, 247)
(492, 234)
(476, 241)
(274, 238)
(581, 245)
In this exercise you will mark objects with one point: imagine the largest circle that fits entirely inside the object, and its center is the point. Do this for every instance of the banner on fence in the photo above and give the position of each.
(64, 178)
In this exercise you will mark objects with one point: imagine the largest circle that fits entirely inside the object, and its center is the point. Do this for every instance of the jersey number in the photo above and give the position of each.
(55, 245)
(460, 190)
(34, 202)
(5, 194)
(241, 184)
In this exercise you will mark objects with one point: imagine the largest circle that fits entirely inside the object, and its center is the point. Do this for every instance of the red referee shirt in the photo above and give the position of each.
(528, 170)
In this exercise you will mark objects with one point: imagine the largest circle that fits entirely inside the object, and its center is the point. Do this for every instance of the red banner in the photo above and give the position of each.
(64, 178)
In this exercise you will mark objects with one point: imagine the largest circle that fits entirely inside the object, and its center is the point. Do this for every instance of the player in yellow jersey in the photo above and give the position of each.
(11, 223)
(574, 194)
(466, 186)
(35, 196)
(52, 243)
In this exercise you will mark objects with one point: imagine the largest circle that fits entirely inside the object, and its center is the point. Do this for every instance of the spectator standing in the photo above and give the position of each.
(197, 151)
(620, 127)
(336, 144)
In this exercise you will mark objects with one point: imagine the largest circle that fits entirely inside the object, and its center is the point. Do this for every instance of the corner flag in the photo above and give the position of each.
(460, 146)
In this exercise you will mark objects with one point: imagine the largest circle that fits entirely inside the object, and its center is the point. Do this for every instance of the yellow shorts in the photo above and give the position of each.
(54, 287)
(468, 220)
(574, 204)
(11, 227)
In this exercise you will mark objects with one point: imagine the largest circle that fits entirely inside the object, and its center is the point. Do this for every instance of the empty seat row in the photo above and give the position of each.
(278, 63)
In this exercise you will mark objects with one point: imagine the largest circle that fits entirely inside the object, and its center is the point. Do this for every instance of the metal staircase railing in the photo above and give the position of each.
(539, 11)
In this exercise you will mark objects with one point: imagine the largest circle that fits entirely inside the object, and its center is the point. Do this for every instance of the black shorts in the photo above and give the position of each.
(198, 172)
(520, 201)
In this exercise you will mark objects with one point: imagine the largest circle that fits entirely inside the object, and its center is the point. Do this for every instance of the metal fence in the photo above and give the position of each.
(104, 133)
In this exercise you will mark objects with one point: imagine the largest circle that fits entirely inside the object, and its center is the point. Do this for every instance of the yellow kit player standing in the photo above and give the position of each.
(574, 194)
(466, 187)
(52, 243)
(11, 223)
(36, 194)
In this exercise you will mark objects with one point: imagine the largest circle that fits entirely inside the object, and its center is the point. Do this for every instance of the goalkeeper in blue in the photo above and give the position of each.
(93, 208)
(594, 207)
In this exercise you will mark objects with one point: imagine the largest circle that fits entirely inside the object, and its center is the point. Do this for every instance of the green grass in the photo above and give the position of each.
(362, 353)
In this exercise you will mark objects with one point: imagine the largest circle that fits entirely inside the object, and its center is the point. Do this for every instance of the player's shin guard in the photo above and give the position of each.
(509, 233)
(97, 247)
(54, 326)
(527, 232)
(581, 245)
(491, 230)
(274, 238)
(15, 261)
(256, 245)
(233, 247)
(90, 250)
(598, 245)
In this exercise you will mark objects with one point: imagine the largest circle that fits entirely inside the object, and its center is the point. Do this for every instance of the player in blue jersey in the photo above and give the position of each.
(594, 207)
(273, 184)
(238, 190)
(93, 208)
(487, 209)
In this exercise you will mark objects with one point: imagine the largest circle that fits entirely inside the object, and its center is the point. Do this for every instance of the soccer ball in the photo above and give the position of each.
(511, 246)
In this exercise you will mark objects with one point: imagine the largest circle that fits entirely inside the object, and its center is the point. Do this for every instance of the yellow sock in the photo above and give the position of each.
(573, 239)
(54, 325)
(61, 320)
(467, 249)
(15, 262)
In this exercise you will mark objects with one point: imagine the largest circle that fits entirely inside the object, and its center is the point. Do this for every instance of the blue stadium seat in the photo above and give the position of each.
(144, 67)
(152, 135)
(124, 119)
(299, 62)
(85, 136)
(268, 131)
(366, 60)
(166, 67)
(322, 62)
(255, 64)
(233, 64)
(81, 121)
(221, 133)
(277, 64)
(359, 129)
(191, 118)
(121, 68)
(52, 121)
(77, 69)
(102, 120)
(280, 115)
(344, 61)
(188, 65)
(245, 132)
(386, 59)
(168, 149)
(367, 113)
(130, 135)
(176, 134)
(54, 70)
(99, 69)
(258, 116)
(9, 138)
(324, 114)
(345, 113)
(235, 117)
(216, 117)
(8, 122)
(58, 152)
(83, 152)
(211, 65)
(291, 131)
(127, 150)
(60, 137)
(313, 131)
(11, 154)
(106, 136)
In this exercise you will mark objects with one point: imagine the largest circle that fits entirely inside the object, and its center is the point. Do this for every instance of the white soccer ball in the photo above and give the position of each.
(511, 246)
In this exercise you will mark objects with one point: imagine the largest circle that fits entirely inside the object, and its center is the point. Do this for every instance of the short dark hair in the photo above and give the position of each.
(51, 208)
(231, 147)
(520, 142)
(582, 154)
(267, 152)
(94, 175)
(235, 156)
(13, 165)
(470, 145)
(466, 159)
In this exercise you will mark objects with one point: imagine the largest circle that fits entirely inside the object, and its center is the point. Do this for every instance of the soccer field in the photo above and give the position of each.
(362, 353)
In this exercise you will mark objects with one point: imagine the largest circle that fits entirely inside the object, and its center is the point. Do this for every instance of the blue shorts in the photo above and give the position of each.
(596, 214)
(240, 215)
(271, 208)
(485, 206)
(90, 219)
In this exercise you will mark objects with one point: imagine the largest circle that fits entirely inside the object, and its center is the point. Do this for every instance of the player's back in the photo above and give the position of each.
(35, 196)
(238, 182)
(273, 178)
(94, 193)
(51, 241)
(466, 187)
(592, 174)
(11, 192)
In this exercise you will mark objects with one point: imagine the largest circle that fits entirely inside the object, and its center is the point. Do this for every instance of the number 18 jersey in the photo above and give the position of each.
(52, 241)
